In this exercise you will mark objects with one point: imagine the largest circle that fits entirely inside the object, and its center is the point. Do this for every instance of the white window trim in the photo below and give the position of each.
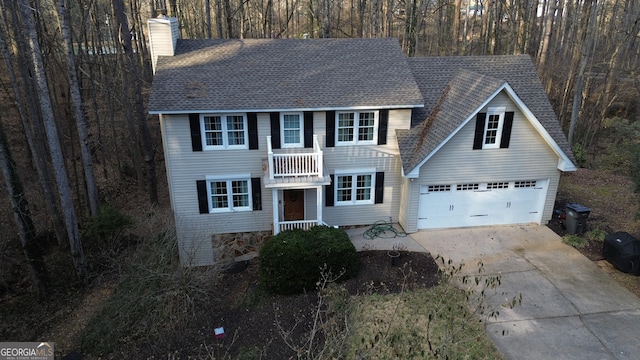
(356, 123)
(354, 173)
(300, 144)
(225, 132)
(500, 111)
(228, 179)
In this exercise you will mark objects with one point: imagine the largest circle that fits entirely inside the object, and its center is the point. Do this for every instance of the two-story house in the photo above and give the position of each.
(264, 135)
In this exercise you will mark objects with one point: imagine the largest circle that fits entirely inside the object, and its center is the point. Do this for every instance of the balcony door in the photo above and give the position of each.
(293, 204)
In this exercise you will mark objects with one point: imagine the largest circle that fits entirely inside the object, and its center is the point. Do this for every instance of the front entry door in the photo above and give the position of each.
(293, 205)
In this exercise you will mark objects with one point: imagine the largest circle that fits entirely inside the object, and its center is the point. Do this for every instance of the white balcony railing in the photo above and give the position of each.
(295, 164)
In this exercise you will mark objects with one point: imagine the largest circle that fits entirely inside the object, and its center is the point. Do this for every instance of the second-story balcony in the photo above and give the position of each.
(304, 167)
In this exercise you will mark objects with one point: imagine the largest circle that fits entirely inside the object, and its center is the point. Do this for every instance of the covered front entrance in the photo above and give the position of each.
(293, 204)
(297, 208)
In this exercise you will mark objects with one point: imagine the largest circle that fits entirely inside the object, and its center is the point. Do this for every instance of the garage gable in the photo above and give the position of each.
(428, 138)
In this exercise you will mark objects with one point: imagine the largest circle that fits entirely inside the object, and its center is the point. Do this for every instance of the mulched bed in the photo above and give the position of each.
(248, 314)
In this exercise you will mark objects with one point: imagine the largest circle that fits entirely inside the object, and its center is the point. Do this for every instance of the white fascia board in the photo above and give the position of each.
(564, 163)
(353, 108)
(415, 173)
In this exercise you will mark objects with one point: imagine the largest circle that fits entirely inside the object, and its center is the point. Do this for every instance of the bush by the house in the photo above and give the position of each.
(109, 222)
(290, 262)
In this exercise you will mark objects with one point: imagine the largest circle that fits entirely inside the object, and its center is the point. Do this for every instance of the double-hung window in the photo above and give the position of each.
(224, 131)
(493, 128)
(355, 188)
(291, 130)
(358, 127)
(229, 194)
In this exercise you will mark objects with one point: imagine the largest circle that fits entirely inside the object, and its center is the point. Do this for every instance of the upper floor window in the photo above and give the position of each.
(292, 130)
(224, 131)
(358, 127)
(493, 128)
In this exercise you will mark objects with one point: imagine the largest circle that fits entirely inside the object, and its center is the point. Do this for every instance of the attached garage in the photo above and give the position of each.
(482, 203)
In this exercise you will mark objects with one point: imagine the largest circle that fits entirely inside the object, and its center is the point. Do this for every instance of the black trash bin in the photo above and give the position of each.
(576, 221)
(622, 250)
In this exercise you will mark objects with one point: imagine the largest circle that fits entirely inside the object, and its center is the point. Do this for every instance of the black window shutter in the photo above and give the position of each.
(196, 135)
(382, 127)
(256, 191)
(275, 130)
(379, 194)
(308, 129)
(328, 193)
(478, 138)
(506, 130)
(203, 197)
(252, 127)
(331, 129)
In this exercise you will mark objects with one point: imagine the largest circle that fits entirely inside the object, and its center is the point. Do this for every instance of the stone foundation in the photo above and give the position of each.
(232, 247)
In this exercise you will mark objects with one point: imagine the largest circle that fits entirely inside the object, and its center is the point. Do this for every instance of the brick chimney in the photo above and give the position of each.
(163, 36)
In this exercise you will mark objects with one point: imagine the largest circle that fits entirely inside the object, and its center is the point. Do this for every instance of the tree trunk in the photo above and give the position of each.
(552, 6)
(207, 17)
(219, 18)
(585, 55)
(57, 157)
(81, 120)
(145, 134)
(26, 108)
(22, 216)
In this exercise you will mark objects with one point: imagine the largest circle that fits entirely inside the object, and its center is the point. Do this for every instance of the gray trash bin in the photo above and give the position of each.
(577, 215)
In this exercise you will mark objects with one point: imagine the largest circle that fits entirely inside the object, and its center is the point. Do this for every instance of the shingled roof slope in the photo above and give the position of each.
(434, 75)
(466, 92)
(265, 74)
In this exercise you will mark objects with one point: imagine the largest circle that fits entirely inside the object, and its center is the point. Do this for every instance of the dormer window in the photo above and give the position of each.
(493, 128)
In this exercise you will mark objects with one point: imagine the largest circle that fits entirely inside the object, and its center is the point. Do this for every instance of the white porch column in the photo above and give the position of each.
(319, 204)
(276, 211)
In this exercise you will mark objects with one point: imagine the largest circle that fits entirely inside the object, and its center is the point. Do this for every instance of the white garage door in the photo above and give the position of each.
(479, 204)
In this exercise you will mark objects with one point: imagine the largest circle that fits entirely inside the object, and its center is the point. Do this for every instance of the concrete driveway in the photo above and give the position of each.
(571, 309)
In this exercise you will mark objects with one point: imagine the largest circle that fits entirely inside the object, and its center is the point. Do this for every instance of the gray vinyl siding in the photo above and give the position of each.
(310, 209)
(404, 218)
(527, 158)
(381, 157)
(185, 167)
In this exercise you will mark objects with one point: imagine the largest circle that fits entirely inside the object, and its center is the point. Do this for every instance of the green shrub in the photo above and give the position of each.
(596, 234)
(580, 154)
(290, 262)
(108, 223)
(575, 241)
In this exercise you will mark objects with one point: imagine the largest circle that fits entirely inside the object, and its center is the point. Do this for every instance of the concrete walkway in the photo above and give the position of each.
(571, 309)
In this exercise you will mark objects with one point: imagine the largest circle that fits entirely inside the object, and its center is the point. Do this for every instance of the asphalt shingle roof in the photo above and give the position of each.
(454, 87)
(466, 92)
(264, 74)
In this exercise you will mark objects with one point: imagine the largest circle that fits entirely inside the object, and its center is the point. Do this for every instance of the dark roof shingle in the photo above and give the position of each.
(264, 74)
